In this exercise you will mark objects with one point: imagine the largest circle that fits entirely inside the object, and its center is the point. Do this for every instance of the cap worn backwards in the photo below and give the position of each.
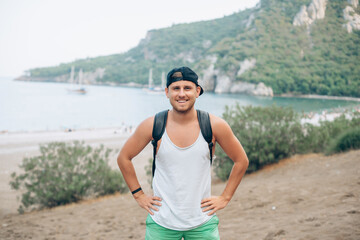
(183, 73)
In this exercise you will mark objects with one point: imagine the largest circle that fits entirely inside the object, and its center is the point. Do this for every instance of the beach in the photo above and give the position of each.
(303, 197)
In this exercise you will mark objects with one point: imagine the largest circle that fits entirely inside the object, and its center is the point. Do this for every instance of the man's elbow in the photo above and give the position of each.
(246, 163)
(243, 163)
(121, 161)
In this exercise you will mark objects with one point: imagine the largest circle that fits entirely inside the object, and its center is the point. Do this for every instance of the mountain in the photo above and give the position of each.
(280, 46)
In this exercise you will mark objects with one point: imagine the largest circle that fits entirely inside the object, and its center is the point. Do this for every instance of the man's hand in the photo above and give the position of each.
(214, 203)
(147, 202)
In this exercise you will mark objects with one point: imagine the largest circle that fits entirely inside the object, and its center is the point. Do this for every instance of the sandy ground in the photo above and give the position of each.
(304, 197)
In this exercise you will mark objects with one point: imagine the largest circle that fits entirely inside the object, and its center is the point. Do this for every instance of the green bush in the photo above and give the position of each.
(348, 140)
(318, 138)
(267, 134)
(65, 173)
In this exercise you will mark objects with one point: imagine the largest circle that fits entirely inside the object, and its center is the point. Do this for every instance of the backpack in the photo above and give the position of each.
(159, 128)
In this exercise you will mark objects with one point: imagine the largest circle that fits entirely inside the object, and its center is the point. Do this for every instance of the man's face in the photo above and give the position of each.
(182, 95)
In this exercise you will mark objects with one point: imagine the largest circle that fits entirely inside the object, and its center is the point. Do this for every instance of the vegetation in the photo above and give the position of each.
(347, 140)
(318, 138)
(269, 134)
(320, 59)
(65, 173)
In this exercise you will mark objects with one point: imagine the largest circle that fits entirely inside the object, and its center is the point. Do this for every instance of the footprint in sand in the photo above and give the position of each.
(353, 212)
(272, 235)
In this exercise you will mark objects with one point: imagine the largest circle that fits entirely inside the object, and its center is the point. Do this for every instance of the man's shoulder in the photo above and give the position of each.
(148, 121)
(216, 121)
(146, 126)
(219, 126)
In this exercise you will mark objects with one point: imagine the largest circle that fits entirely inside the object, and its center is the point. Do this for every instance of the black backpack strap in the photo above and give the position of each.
(158, 131)
(205, 126)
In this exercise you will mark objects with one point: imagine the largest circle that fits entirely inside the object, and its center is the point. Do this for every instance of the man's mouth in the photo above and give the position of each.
(181, 101)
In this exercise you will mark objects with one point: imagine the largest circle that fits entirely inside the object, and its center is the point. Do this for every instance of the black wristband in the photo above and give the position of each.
(137, 190)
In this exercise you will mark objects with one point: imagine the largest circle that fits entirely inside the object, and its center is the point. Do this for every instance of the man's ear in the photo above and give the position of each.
(167, 92)
(198, 90)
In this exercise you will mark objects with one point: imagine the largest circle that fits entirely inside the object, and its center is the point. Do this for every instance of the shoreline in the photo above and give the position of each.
(314, 96)
(116, 129)
(139, 85)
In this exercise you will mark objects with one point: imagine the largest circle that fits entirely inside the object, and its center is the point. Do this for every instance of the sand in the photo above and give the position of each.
(304, 197)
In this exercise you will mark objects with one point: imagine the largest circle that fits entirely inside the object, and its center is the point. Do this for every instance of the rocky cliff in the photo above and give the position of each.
(215, 80)
(308, 14)
(351, 17)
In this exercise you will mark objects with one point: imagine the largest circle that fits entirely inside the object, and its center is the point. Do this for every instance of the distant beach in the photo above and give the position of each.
(329, 115)
(314, 96)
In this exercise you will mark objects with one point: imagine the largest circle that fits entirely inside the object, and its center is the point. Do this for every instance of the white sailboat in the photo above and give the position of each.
(163, 81)
(151, 81)
(155, 89)
(77, 85)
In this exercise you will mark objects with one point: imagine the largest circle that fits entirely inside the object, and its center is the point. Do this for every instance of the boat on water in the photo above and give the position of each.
(155, 89)
(77, 87)
(79, 90)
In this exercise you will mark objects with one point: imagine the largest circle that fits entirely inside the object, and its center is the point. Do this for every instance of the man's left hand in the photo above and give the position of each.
(214, 203)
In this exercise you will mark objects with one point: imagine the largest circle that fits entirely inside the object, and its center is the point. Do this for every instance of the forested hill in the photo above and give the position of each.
(291, 46)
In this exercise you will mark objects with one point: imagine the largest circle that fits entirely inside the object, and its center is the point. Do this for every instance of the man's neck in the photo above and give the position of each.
(183, 117)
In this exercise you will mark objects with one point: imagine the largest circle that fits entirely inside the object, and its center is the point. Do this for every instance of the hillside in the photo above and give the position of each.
(300, 47)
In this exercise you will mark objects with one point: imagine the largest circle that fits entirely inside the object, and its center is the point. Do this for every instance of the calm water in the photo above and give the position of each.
(32, 106)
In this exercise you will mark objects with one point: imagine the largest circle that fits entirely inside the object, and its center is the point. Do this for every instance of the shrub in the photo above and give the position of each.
(348, 140)
(65, 173)
(267, 134)
(318, 138)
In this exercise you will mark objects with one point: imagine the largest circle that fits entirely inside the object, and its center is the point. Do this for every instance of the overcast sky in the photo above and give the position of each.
(39, 33)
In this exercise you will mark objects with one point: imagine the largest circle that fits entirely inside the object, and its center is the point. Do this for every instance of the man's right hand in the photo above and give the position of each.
(147, 202)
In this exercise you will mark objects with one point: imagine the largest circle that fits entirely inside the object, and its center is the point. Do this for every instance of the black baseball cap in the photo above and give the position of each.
(186, 74)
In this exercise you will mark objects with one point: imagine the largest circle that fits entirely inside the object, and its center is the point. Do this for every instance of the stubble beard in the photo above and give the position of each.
(183, 111)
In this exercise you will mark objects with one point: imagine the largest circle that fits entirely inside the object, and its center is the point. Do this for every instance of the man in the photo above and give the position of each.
(182, 205)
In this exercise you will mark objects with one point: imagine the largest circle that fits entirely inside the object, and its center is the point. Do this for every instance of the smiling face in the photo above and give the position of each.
(182, 95)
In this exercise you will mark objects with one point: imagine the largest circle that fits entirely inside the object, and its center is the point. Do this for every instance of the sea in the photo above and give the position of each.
(48, 106)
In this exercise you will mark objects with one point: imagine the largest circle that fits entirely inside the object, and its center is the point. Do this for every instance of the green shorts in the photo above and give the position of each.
(208, 231)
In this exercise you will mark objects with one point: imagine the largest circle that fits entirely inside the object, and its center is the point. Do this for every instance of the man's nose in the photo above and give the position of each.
(182, 92)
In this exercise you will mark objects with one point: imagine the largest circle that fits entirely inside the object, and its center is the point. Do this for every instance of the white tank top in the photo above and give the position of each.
(182, 179)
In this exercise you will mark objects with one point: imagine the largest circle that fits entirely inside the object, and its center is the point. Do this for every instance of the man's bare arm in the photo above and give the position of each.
(232, 147)
(133, 146)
